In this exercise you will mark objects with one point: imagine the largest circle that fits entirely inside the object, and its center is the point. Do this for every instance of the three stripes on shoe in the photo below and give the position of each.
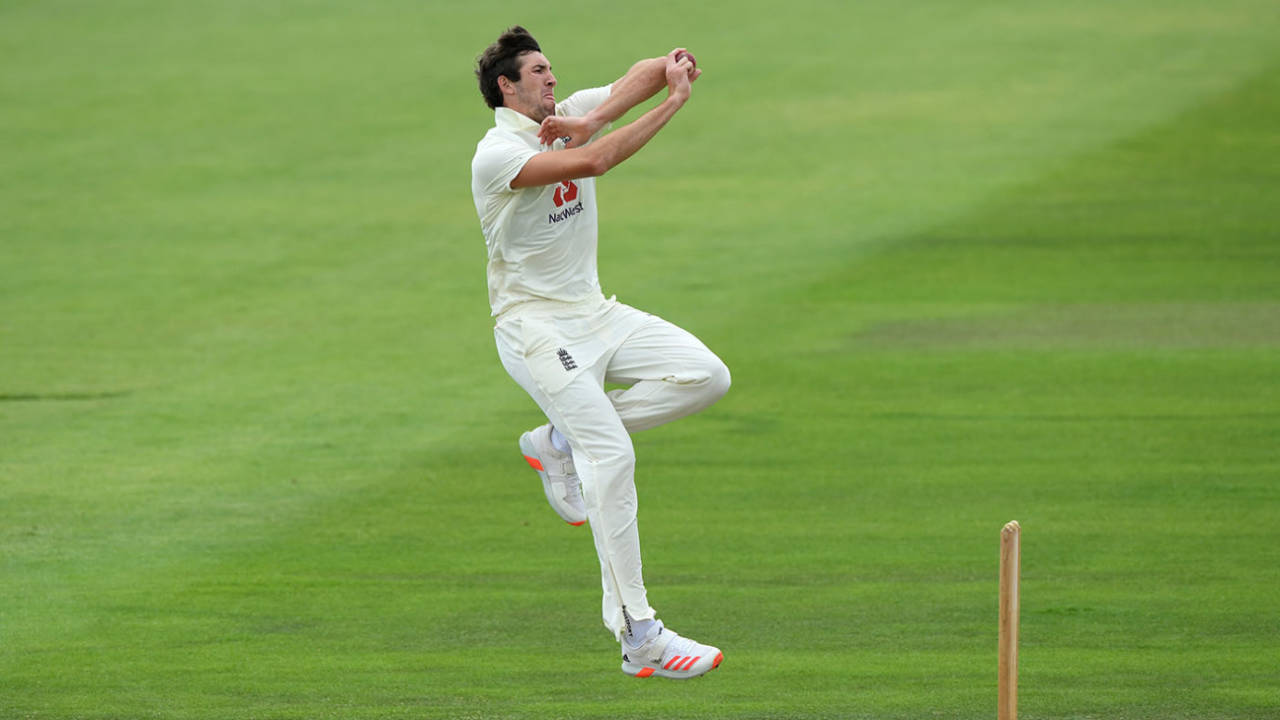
(680, 663)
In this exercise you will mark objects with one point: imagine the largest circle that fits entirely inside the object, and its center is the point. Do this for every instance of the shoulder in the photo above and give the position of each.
(497, 138)
(584, 101)
(500, 155)
(497, 145)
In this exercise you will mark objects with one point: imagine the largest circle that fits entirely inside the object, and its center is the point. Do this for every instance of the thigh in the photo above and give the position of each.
(578, 407)
(659, 350)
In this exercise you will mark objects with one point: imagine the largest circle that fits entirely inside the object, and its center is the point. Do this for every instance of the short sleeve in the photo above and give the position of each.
(497, 163)
(584, 101)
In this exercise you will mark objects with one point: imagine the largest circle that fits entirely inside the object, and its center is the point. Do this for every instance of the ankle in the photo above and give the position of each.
(560, 442)
(636, 632)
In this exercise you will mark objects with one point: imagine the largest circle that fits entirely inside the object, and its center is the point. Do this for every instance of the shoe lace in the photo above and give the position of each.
(573, 492)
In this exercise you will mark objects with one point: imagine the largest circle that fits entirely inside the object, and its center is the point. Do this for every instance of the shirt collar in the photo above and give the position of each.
(509, 119)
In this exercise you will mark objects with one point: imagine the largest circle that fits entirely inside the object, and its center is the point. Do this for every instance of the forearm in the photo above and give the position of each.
(642, 81)
(595, 158)
(622, 143)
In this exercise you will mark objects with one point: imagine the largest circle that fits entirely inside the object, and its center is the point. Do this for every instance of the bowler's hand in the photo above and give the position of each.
(578, 130)
(679, 75)
(694, 72)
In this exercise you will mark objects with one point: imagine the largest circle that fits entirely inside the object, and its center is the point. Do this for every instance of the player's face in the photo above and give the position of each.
(536, 91)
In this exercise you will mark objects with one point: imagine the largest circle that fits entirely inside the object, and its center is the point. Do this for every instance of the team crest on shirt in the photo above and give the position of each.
(566, 192)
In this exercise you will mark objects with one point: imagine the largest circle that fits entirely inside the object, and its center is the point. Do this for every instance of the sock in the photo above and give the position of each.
(559, 441)
(637, 630)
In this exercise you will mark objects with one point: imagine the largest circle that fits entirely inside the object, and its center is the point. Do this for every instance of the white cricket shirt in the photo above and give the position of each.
(541, 240)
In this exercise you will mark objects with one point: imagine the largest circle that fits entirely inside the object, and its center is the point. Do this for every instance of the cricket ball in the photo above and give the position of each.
(686, 54)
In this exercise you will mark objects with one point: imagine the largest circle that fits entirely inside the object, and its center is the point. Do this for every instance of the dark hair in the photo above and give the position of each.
(503, 59)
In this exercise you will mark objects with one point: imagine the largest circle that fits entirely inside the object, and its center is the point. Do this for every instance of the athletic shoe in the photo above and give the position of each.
(667, 654)
(559, 478)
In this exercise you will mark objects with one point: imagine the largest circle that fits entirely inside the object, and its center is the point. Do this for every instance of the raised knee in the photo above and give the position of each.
(706, 383)
(718, 380)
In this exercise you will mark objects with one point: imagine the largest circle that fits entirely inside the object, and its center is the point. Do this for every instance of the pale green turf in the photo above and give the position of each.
(968, 262)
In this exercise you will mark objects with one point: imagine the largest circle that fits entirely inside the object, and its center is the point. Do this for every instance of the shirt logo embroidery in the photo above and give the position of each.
(566, 193)
(566, 359)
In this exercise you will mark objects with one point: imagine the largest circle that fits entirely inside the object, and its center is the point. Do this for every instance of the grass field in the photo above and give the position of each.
(969, 262)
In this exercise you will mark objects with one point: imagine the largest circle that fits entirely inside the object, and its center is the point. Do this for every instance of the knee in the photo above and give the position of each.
(612, 452)
(718, 380)
(707, 383)
(608, 476)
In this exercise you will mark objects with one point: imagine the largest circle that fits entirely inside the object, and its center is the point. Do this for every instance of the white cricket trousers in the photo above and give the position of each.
(562, 354)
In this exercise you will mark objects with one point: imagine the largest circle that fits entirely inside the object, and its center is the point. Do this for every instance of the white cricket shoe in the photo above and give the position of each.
(667, 654)
(559, 478)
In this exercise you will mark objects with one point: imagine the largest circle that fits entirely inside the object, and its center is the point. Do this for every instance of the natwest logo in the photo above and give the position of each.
(564, 214)
(567, 192)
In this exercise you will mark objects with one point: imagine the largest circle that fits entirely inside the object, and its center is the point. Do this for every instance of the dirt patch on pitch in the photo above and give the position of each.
(1171, 325)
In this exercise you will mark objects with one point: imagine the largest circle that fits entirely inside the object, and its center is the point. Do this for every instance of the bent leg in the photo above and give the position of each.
(671, 372)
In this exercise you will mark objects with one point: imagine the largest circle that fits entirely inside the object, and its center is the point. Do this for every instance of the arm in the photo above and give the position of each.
(642, 81)
(606, 153)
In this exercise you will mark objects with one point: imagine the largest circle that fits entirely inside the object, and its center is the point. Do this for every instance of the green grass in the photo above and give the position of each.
(968, 262)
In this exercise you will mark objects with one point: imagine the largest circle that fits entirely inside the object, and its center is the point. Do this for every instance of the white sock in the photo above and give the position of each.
(639, 630)
(559, 442)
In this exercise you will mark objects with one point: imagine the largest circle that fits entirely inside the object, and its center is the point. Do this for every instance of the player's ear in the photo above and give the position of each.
(505, 85)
